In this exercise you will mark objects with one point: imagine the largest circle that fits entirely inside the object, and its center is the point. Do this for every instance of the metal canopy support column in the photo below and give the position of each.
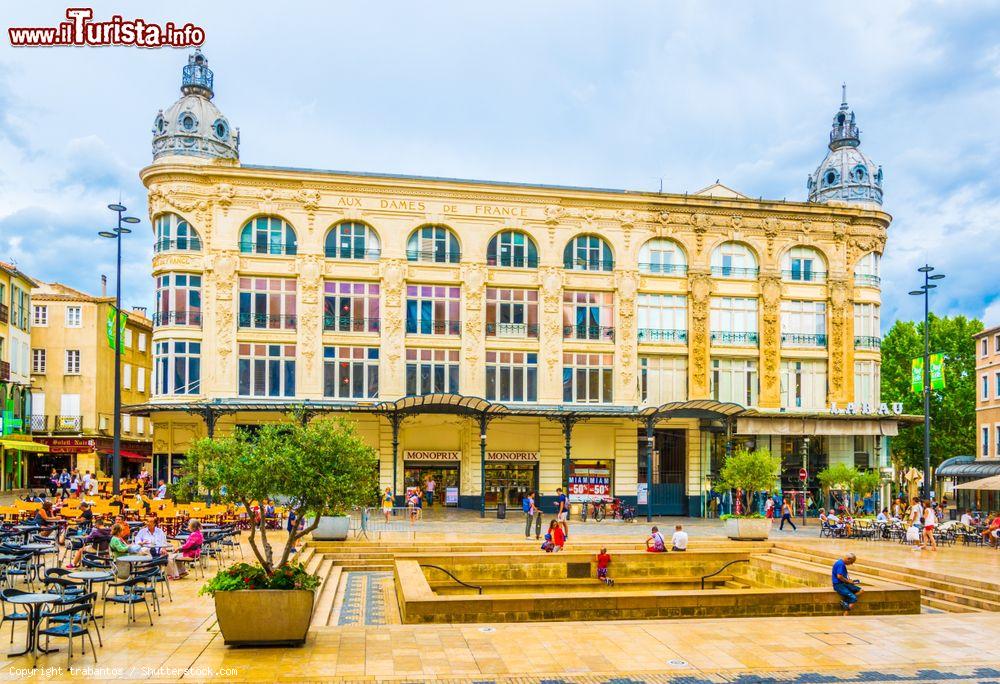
(649, 469)
(567, 422)
(483, 422)
(394, 420)
(210, 416)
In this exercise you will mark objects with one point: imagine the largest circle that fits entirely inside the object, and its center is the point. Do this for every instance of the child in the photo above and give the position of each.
(547, 545)
(603, 560)
(655, 543)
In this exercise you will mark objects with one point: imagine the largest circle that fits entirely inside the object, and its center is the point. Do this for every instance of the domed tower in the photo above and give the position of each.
(846, 174)
(193, 126)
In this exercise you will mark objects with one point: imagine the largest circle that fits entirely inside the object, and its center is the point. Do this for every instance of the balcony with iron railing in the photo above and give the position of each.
(511, 261)
(274, 247)
(67, 424)
(350, 324)
(182, 244)
(429, 327)
(663, 269)
(735, 272)
(38, 423)
(662, 335)
(267, 321)
(867, 342)
(589, 264)
(799, 276)
(803, 339)
(433, 256)
(4, 371)
(738, 339)
(359, 254)
(182, 318)
(512, 330)
(867, 280)
(586, 331)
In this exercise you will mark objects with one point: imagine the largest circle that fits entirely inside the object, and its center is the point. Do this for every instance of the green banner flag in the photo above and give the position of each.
(111, 326)
(937, 371)
(917, 375)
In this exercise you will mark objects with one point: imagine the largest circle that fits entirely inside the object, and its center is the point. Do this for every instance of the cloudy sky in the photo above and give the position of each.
(580, 93)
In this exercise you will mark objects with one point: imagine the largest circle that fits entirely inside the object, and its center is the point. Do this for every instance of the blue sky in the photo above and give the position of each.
(581, 93)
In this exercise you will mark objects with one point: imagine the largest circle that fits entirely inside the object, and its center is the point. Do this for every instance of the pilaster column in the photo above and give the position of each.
(550, 334)
(392, 364)
(472, 377)
(219, 326)
(770, 341)
(841, 341)
(309, 323)
(699, 335)
(626, 354)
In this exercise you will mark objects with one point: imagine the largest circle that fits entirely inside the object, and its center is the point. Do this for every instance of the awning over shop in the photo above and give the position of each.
(24, 445)
(128, 455)
(968, 469)
(784, 425)
(987, 483)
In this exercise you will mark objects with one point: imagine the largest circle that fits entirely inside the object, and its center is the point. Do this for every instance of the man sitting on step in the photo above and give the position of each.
(844, 585)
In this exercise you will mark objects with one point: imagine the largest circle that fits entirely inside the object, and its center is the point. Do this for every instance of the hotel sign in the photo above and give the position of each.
(519, 456)
(433, 456)
(865, 408)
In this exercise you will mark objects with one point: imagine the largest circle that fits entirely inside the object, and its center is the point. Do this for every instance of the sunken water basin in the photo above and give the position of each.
(533, 586)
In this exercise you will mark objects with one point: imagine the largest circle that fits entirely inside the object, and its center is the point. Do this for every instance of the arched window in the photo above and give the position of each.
(733, 260)
(860, 173)
(866, 272)
(803, 264)
(268, 235)
(661, 255)
(512, 248)
(436, 244)
(352, 240)
(588, 253)
(173, 232)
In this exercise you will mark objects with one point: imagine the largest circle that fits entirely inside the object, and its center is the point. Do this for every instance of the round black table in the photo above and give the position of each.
(33, 601)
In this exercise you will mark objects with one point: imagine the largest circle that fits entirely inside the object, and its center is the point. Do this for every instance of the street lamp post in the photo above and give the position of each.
(925, 292)
(116, 234)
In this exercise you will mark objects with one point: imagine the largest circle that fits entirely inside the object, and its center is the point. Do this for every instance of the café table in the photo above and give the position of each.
(91, 576)
(132, 559)
(33, 602)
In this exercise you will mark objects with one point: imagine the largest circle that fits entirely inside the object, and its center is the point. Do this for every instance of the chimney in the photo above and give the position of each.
(140, 309)
(104, 285)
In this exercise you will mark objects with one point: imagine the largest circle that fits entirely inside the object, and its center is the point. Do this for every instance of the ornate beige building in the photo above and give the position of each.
(570, 313)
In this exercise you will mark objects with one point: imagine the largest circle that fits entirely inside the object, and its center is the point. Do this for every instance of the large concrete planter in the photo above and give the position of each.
(332, 528)
(266, 617)
(748, 529)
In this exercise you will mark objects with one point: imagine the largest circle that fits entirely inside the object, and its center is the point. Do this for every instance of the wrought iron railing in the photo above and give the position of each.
(433, 256)
(38, 423)
(734, 338)
(513, 261)
(362, 254)
(867, 280)
(735, 272)
(804, 276)
(68, 424)
(192, 318)
(663, 269)
(589, 264)
(662, 335)
(272, 247)
(705, 577)
(867, 342)
(464, 584)
(425, 327)
(189, 244)
(267, 321)
(512, 330)
(803, 340)
(350, 324)
(583, 331)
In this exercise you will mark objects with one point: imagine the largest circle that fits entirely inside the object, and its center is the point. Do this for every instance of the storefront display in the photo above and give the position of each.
(440, 467)
(590, 481)
(510, 476)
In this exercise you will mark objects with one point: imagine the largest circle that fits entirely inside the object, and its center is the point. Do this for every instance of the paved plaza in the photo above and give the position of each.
(365, 642)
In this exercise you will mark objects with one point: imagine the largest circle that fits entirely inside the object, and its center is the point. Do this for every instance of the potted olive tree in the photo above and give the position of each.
(314, 470)
(749, 471)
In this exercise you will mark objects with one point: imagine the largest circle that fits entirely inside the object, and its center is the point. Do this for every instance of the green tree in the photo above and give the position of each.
(837, 476)
(751, 471)
(322, 468)
(953, 410)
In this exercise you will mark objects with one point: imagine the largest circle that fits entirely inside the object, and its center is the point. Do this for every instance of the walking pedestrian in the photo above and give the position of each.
(429, 487)
(387, 500)
(786, 516)
(531, 512)
(930, 524)
(562, 511)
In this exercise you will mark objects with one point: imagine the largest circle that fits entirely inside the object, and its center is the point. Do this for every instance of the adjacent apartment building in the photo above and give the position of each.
(501, 337)
(72, 373)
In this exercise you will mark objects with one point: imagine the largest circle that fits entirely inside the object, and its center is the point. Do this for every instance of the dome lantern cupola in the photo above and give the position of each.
(193, 126)
(846, 174)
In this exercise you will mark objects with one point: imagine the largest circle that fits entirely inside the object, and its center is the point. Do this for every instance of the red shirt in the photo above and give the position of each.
(558, 537)
(603, 559)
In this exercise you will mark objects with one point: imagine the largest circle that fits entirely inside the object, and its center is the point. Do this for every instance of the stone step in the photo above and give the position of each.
(947, 606)
(313, 562)
(327, 593)
(361, 567)
(736, 584)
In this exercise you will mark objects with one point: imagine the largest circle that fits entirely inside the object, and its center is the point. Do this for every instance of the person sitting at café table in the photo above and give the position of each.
(883, 517)
(119, 547)
(992, 530)
(95, 542)
(161, 491)
(189, 551)
(151, 538)
(45, 517)
(966, 518)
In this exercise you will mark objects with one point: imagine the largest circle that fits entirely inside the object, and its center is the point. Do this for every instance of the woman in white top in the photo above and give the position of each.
(930, 523)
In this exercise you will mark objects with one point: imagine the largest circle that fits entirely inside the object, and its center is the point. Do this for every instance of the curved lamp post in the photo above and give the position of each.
(116, 234)
(925, 292)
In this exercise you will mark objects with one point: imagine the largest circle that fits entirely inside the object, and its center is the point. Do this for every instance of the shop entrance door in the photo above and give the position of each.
(667, 491)
(510, 483)
(444, 475)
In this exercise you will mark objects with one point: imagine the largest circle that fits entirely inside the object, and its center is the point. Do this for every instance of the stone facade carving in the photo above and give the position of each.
(699, 339)
(224, 195)
(839, 293)
(770, 341)
(551, 280)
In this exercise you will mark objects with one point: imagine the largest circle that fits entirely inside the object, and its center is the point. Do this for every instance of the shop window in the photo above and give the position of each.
(662, 379)
(734, 380)
(803, 384)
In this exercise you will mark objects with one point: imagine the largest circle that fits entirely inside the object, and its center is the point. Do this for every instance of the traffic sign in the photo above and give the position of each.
(803, 474)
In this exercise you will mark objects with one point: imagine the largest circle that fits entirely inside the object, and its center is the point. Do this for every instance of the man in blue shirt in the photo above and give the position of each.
(844, 585)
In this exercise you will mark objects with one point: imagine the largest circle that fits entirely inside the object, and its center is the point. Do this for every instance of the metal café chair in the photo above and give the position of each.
(73, 620)
(13, 615)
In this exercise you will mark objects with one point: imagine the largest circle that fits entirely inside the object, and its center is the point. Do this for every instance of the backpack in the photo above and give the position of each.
(526, 504)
